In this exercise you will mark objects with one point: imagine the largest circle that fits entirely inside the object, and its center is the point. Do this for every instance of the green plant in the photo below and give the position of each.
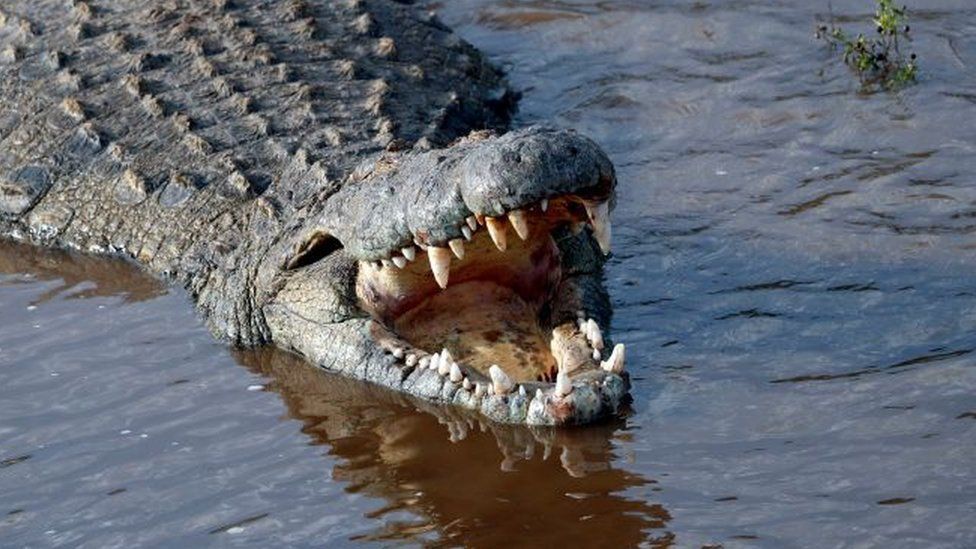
(877, 61)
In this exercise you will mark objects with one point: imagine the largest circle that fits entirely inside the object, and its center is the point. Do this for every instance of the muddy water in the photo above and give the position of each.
(793, 276)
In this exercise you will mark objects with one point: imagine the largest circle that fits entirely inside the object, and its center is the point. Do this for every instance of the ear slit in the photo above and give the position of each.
(317, 247)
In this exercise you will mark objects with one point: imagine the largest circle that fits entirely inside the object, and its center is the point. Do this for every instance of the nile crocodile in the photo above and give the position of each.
(331, 177)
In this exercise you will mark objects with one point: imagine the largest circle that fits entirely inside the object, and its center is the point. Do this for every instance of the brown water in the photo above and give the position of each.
(793, 275)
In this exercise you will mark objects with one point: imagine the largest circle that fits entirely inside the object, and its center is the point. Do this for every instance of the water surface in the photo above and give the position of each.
(793, 276)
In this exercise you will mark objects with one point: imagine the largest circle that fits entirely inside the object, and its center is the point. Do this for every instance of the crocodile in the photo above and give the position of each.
(336, 178)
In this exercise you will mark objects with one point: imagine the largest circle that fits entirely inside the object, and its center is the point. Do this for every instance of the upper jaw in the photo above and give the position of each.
(425, 198)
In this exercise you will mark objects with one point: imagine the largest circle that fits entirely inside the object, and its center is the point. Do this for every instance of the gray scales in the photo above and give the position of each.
(292, 163)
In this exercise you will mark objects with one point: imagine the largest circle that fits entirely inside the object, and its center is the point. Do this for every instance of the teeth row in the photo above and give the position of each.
(442, 363)
(440, 257)
(501, 384)
(445, 366)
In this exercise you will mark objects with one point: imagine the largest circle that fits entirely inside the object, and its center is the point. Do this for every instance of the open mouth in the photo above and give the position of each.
(469, 275)
(494, 310)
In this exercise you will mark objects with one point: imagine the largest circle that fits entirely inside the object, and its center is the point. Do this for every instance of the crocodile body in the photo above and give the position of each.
(268, 156)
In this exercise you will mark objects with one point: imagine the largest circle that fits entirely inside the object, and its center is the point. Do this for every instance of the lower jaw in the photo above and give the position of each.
(592, 393)
(529, 326)
(365, 349)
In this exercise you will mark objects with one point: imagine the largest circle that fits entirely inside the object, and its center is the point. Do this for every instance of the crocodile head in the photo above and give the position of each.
(468, 275)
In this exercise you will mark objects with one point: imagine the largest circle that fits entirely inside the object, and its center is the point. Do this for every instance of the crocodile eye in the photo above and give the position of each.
(317, 247)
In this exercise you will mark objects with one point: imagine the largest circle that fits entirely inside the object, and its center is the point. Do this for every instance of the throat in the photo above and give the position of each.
(494, 311)
(482, 323)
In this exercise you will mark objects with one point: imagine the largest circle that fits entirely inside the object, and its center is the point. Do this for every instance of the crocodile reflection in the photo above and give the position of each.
(459, 475)
(463, 475)
(96, 276)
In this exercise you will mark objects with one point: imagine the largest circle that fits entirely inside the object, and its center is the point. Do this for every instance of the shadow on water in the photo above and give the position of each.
(477, 482)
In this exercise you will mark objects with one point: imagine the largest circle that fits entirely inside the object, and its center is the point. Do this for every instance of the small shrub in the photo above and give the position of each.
(878, 61)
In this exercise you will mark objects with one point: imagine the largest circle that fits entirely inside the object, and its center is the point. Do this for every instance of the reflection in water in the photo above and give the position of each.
(88, 276)
(441, 474)
(474, 481)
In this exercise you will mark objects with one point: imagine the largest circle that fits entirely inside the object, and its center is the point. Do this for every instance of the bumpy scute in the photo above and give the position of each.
(259, 81)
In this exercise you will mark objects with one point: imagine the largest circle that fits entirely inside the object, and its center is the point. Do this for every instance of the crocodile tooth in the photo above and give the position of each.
(386, 262)
(479, 389)
(519, 223)
(563, 385)
(496, 228)
(500, 382)
(397, 353)
(596, 354)
(544, 205)
(594, 334)
(456, 375)
(424, 362)
(615, 364)
(399, 261)
(457, 246)
(410, 253)
(599, 213)
(472, 222)
(467, 232)
(538, 395)
(467, 384)
(411, 359)
(435, 362)
(445, 363)
(440, 264)
(522, 391)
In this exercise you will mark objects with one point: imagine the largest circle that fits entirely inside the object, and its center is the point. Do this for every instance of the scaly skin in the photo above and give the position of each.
(214, 141)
